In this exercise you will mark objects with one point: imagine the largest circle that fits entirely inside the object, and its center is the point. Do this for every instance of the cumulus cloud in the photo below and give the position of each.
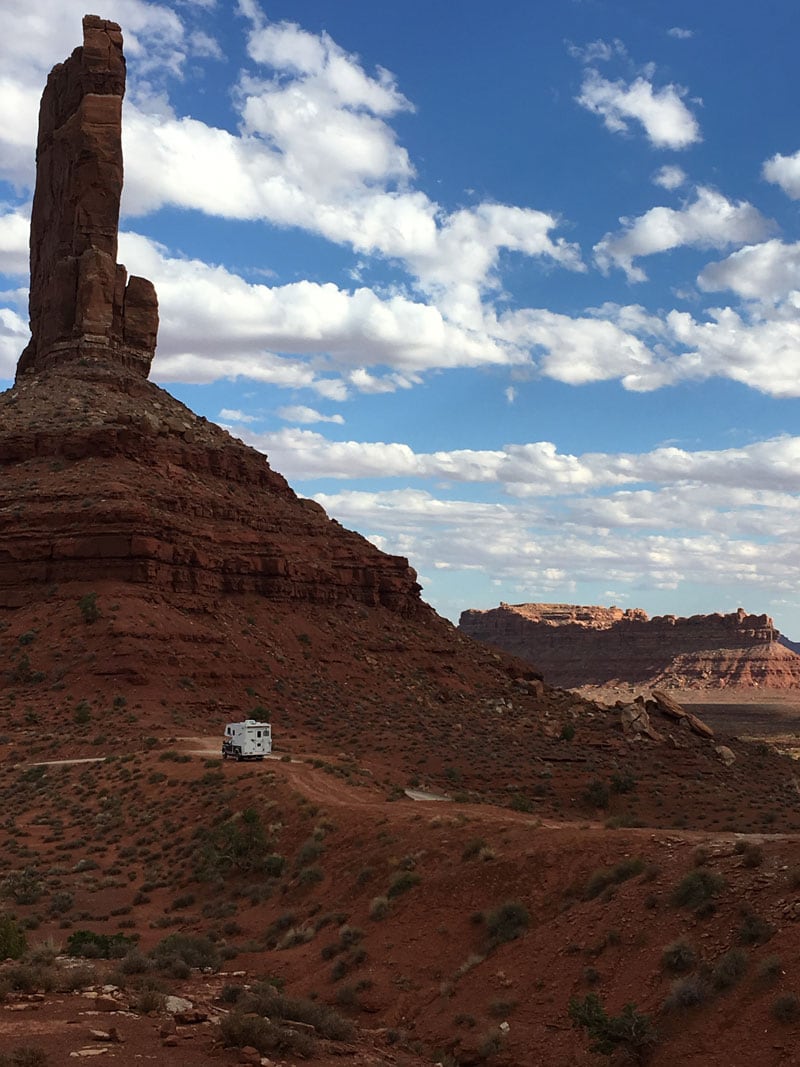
(538, 469)
(14, 229)
(215, 324)
(662, 114)
(670, 177)
(769, 271)
(785, 172)
(708, 221)
(680, 33)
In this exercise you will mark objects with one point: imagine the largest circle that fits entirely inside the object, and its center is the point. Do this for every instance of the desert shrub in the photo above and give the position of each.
(24, 887)
(770, 970)
(729, 969)
(596, 794)
(754, 930)
(473, 848)
(697, 888)
(679, 957)
(147, 1000)
(378, 908)
(24, 1056)
(241, 843)
(567, 731)
(12, 938)
(686, 993)
(630, 1031)
(241, 1030)
(31, 977)
(135, 962)
(752, 854)
(186, 949)
(94, 946)
(622, 782)
(309, 852)
(310, 875)
(264, 999)
(401, 883)
(604, 877)
(87, 605)
(786, 1008)
(506, 922)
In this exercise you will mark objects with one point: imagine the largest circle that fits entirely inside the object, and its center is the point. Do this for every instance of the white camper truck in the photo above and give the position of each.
(247, 740)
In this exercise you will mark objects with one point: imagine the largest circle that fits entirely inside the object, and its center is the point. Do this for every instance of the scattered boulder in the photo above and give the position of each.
(727, 755)
(635, 721)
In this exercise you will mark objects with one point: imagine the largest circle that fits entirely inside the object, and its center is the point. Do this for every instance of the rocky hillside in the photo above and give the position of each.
(575, 646)
(445, 852)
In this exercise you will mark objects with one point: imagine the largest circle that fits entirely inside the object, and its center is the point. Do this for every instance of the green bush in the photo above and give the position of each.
(786, 1008)
(401, 883)
(87, 605)
(607, 876)
(241, 843)
(12, 938)
(94, 946)
(697, 888)
(630, 1031)
(679, 957)
(729, 969)
(506, 923)
(186, 949)
(687, 993)
(24, 1056)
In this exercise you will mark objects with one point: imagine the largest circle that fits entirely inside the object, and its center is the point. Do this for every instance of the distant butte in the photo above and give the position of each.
(82, 303)
(576, 645)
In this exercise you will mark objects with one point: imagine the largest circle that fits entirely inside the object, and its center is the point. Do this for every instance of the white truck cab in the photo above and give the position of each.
(247, 740)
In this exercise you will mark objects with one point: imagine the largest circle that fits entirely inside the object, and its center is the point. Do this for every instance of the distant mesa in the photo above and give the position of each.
(82, 303)
(574, 645)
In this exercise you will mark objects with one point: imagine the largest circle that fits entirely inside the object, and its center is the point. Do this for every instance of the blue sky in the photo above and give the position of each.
(513, 290)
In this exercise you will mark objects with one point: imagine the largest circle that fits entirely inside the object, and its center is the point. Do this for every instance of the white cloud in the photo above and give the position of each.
(709, 221)
(538, 469)
(680, 33)
(14, 336)
(785, 172)
(233, 415)
(670, 177)
(317, 329)
(14, 254)
(666, 120)
(307, 416)
(767, 271)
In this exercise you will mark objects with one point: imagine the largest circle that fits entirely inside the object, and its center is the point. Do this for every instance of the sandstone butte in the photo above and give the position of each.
(158, 578)
(577, 645)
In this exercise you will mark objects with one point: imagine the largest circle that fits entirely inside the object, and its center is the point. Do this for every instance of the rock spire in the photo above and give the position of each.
(82, 303)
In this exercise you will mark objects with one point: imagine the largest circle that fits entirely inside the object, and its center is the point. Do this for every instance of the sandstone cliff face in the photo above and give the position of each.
(574, 646)
(105, 477)
(82, 304)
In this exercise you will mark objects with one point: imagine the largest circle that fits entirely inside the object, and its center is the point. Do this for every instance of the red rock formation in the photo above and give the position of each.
(574, 645)
(105, 476)
(80, 305)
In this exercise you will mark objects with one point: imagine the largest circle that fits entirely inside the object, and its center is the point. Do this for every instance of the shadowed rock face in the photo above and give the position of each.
(82, 304)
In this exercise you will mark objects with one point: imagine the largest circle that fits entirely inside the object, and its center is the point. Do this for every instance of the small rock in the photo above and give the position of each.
(106, 1003)
(173, 1005)
(727, 755)
(170, 1042)
(250, 1055)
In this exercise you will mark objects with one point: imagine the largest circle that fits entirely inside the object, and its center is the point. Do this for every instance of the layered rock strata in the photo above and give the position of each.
(575, 645)
(105, 477)
(82, 303)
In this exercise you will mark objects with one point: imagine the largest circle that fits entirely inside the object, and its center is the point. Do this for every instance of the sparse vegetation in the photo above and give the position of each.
(679, 957)
(630, 1031)
(697, 889)
(13, 942)
(506, 923)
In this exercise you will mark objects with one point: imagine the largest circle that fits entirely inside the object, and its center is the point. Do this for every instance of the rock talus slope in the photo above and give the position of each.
(576, 645)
